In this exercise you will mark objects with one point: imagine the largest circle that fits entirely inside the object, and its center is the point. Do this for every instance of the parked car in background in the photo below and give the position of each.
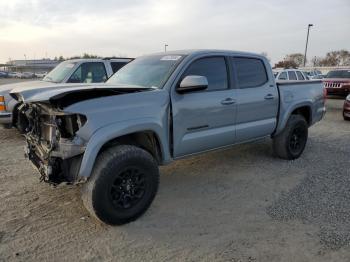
(40, 74)
(3, 74)
(70, 71)
(290, 74)
(27, 75)
(314, 74)
(19, 74)
(12, 74)
(318, 77)
(159, 108)
(337, 82)
(346, 108)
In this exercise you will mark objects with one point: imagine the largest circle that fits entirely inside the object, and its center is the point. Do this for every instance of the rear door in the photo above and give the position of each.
(204, 120)
(257, 98)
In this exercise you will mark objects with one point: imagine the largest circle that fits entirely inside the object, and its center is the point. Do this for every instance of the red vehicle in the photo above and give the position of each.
(346, 108)
(337, 82)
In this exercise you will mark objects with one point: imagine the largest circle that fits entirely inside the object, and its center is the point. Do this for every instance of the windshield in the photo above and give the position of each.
(338, 74)
(59, 72)
(147, 71)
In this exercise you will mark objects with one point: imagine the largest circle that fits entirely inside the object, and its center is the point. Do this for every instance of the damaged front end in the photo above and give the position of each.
(52, 144)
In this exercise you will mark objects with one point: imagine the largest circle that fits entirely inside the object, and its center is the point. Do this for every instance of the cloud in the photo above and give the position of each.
(135, 27)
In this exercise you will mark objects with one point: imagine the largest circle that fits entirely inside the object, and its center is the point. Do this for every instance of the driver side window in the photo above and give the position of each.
(92, 72)
(213, 68)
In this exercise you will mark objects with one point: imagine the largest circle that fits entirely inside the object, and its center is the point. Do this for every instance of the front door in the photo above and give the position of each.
(203, 120)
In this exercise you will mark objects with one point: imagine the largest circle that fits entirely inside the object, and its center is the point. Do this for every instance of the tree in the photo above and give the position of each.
(86, 55)
(286, 64)
(316, 61)
(297, 58)
(291, 61)
(336, 58)
(332, 58)
(344, 57)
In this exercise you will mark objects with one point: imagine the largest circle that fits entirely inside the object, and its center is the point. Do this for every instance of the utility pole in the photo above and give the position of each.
(165, 46)
(307, 41)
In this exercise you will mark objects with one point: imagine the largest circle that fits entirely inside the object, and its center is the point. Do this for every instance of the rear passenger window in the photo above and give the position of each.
(117, 65)
(300, 76)
(250, 72)
(213, 68)
(292, 75)
(283, 76)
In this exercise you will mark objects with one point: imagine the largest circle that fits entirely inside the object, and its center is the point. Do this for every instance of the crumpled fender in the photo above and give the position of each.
(115, 130)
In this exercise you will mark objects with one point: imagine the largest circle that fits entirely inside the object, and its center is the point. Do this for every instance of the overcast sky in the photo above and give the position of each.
(136, 27)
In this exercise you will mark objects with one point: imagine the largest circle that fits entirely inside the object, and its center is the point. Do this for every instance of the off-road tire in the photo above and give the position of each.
(283, 143)
(21, 122)
(109, 165)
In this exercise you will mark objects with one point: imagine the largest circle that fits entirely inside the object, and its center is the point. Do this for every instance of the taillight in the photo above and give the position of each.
(325, 94)
(2, 103)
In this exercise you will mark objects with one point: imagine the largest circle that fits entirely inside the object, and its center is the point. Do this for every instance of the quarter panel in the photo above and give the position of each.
(299, 94)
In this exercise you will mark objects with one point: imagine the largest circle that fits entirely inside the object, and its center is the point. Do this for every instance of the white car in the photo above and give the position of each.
(12, 74)
(26, 75)
(40, 74)
(314, 74)
(290, 74)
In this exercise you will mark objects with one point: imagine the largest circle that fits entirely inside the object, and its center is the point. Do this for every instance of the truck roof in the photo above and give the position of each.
(207, 51)
(99, 59)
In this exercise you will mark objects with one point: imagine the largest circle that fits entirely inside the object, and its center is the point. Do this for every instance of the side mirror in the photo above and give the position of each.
(192, 83)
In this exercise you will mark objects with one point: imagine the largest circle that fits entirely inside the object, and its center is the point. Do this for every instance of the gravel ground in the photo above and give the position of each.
(323, 197)
(241, 204)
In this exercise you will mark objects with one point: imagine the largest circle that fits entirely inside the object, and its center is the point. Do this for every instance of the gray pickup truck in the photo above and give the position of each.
(157, 109)
(70, 71)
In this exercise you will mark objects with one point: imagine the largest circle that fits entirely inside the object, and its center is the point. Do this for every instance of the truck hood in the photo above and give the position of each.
(77, 92)
(337, 80)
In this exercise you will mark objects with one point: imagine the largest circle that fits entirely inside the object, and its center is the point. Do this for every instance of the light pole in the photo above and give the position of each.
(165, 46)
(307, 41)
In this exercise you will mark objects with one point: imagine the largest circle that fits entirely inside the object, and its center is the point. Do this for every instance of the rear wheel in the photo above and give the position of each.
(122, 186)
(291, 142)
(345, 117)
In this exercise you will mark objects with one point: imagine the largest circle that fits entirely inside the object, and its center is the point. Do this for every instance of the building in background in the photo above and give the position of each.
(33, 66)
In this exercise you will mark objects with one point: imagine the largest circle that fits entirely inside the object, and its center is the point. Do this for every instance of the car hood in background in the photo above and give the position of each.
(28, 84)
(338, 80)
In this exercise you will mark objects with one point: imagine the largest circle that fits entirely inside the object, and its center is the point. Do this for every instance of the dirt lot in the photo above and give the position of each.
(240, 204)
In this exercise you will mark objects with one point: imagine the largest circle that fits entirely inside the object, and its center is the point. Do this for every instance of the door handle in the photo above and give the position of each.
(269, 96)
(228, 101)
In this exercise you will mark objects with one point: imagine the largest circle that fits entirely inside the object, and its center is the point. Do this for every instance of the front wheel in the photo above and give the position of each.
(291, 142)
(122, 186)
(21, 122)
